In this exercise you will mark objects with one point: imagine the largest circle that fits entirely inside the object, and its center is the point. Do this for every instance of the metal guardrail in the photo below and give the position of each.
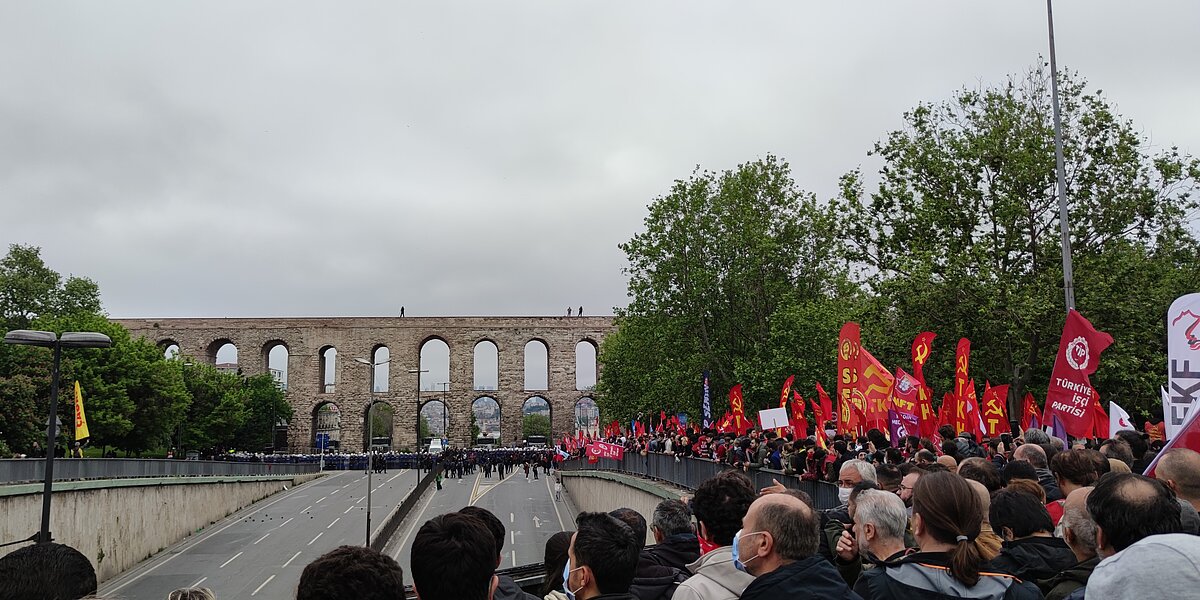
(689, 473)
(26, 470)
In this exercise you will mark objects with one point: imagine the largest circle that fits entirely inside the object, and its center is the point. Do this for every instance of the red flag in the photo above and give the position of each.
(1188, 437)
(820, 417)
(787, 391)
(962, 359)
(826, 406)
(947, 410)
(1099, 420)
(848, 364)
(875, 384)
(995, 415)
(974, 419)
(798, 422)
(1156, 431)
(1070, 394)
(905, 393)
(737, 406)
(922, 347)
(1029, 411)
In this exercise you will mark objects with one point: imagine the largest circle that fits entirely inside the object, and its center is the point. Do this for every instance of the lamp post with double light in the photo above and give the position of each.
(417, 449)
(47, 339)
(370, 434)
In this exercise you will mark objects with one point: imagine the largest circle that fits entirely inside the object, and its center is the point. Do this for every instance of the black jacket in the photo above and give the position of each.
(812, 577)
(1060, 586)
(926, 576)
(652, 581)
(1034, 558)
(1050, 484)
(677, 551)
(507, 589)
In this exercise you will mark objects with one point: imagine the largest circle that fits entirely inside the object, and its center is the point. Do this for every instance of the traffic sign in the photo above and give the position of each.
(322, 440)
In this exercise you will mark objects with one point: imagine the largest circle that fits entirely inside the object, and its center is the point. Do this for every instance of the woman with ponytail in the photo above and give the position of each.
(946, 522)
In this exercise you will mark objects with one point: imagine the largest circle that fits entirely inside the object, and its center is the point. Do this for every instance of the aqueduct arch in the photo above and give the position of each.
(361, 337)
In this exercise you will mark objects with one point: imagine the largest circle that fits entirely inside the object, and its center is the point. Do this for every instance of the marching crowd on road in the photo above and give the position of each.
(950, 520)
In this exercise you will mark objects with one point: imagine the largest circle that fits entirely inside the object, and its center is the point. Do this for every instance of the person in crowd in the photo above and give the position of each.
(778, 546)
(880, 523)
(1017, 469)
(989, 543)
(506, 588)
(675, 544)
(47, 571)
(906, 487)
(837, 520)
(1033, 435)
(192, 593)
(554, 559)
(601, 559)
(888, 477)
(1079, 532)
(454, 558)
(719, 504)
(1179, 470)
(351, 573)
(982, 470)
(1030, 550)
(1074, 469)
(1036, 456)
(1158, 566)
(947, 516)
(651, 580)
(1126, 508)
(1137, 447)
(925, 457)
(1117, 448)
(948, 461)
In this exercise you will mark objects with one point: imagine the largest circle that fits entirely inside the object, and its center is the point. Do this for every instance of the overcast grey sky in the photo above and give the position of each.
(305, 158)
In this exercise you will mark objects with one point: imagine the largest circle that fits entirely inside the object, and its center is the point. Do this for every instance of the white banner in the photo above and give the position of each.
(772, 418)
(1118, 420)
(1183, 361)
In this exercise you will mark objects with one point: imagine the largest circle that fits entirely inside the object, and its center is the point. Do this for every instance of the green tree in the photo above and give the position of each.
(960, 235)
(264, 405)
(721, 255)
(535, 425)
(217, 412)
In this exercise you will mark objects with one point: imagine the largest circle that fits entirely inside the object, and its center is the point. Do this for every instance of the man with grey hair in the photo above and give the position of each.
(880, 521)
(778, 546)
(1034, 435)
(1179, 470)
(1036, 456)
(676, 545)
(1079, 532)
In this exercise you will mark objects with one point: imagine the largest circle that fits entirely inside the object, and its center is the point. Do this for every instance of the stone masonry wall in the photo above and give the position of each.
(358, 337)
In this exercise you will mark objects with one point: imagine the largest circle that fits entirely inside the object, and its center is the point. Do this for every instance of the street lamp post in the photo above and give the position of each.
(370, 435)
(47, 339)
(417, 445)
(445, 410)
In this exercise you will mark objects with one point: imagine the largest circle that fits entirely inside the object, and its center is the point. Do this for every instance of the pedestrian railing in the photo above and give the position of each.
(689, 473)
(26, 470)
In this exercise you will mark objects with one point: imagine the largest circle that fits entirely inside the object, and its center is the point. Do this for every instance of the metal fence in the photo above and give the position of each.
(689, 473)
(24, 470)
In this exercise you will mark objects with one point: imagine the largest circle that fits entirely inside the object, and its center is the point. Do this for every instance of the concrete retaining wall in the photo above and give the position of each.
(119, 523)
(603, 491)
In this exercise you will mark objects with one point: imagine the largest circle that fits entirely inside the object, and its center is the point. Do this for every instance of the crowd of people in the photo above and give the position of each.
(1017, 521)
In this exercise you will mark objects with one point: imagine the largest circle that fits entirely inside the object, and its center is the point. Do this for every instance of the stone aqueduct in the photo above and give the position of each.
(306, 338)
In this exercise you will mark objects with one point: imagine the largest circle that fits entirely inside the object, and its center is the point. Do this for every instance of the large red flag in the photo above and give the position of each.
(1070, 394)
(922, 347)
(1188, 437)
(962, 359)
(974, 418)
(738, 408)
(798, 422)
(821, 417)
(1029, 412)
(787, 391)
(848, 364)
(905, 392)
(995, 415)
(826, 406)
(875, 384)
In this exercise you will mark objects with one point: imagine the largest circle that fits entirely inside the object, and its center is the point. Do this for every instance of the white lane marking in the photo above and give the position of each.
(285, 522)
(512, 518)
(333, 523)
(199, 540)
(306, 509)
(315, 539)
(197, 584)
(257, 541)
(513, 535)
(289, 561)
(514, 557)
(393, 477)
(230, 560)
(561, 526)
(262, 585)
(349, 509)
(322, 498)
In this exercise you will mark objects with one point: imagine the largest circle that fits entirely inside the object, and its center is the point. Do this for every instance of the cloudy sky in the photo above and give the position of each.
(348, 158)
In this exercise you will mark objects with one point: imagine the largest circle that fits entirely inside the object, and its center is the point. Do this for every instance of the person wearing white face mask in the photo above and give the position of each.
(601, 560)
(778, 545)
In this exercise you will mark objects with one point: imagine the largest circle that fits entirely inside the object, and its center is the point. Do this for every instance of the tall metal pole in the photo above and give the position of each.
(51, 446)
(370, 468)
(1064, 224)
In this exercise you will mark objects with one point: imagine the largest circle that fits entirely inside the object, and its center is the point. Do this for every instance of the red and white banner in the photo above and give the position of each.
(1183, 362)
(1070, 394)
(605, 450)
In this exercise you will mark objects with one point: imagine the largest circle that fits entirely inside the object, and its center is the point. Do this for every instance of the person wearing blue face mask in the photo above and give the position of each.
(778, 546)
(601, 560)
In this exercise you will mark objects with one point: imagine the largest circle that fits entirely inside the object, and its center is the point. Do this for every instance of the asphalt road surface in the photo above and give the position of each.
(526, 507)
(260, 551)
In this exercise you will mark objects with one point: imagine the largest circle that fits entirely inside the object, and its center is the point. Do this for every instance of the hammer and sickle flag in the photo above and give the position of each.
(81, 428)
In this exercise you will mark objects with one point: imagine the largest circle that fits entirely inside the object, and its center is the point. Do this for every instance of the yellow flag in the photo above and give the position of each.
(81, 428)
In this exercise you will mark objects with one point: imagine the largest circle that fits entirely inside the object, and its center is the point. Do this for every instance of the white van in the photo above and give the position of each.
(435, 447)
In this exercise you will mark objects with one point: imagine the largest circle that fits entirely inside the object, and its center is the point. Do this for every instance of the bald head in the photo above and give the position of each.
(1031, 453)
(985, 497)
(793, 526)
(948, 461)
(1128, 507)
(1179, 468)
(1079, 530)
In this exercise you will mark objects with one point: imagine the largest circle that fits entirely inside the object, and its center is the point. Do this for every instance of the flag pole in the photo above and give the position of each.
(1064, 224)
